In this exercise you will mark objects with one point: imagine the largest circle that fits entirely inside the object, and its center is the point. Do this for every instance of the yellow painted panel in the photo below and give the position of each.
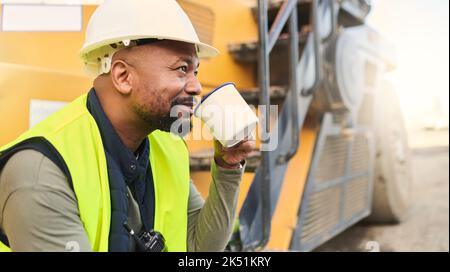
(284, 219)
(53, 50)
(19, 84)
(233, 23)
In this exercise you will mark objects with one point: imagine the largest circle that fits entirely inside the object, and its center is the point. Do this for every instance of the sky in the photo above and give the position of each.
(419, 30)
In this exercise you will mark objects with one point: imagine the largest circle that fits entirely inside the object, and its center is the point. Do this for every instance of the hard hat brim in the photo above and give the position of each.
(203, 50)
(206, 51)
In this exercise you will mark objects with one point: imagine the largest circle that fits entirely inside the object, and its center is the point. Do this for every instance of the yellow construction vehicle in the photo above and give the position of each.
(341, 153)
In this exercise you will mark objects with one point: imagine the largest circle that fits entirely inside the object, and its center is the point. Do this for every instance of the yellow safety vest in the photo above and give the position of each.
(75, 135)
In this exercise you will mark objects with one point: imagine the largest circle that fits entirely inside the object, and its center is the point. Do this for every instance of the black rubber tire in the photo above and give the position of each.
(392, 176)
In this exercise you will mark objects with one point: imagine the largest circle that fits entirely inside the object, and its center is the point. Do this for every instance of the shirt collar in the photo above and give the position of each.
(125, 158)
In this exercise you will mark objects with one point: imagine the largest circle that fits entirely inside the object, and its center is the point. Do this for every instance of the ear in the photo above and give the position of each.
(121, 76)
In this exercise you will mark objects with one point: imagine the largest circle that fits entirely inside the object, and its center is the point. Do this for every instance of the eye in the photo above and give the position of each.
(183, 68)
(196, 73)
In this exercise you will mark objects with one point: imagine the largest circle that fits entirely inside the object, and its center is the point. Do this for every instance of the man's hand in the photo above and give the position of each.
(230, 158)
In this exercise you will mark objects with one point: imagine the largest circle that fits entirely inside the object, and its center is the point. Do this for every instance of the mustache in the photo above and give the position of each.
(188, 101)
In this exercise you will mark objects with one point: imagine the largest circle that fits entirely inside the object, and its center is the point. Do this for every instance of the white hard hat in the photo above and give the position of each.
(115, 24)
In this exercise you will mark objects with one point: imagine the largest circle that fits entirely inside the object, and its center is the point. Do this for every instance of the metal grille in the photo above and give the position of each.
(332, 160)
(322, 214)
(355, 196)
(339, 187)
(360, 155)
(202, 18)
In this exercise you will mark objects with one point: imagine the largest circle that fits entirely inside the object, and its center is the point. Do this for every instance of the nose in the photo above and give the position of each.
(193, 86)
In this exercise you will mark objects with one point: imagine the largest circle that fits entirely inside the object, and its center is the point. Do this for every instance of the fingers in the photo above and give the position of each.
(235, 157)
(244, 146)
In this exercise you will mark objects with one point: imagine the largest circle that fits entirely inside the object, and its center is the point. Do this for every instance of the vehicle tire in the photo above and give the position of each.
(392, 174)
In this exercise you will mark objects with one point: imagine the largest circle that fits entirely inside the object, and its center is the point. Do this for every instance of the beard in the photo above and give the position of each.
(176, 121)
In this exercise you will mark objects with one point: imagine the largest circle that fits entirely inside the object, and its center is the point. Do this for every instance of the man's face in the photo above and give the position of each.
(164, 84)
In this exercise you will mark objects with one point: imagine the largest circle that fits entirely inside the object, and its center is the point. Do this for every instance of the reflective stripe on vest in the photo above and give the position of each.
(75, 135)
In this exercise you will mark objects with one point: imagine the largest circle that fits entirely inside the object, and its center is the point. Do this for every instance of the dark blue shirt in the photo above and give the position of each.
(125, 168)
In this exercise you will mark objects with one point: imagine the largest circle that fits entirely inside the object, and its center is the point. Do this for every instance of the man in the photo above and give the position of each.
(106, 166)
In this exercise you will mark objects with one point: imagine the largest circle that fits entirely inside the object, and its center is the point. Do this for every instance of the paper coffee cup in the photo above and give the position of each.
(227, 115)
